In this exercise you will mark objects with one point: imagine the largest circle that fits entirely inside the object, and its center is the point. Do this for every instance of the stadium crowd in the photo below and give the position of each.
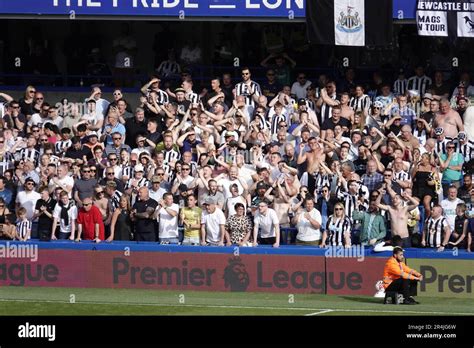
(244, 163)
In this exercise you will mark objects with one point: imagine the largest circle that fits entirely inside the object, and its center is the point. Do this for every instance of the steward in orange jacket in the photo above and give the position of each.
(398, 277)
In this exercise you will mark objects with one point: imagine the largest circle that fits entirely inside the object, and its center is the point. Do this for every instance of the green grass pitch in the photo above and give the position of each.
(74, 301)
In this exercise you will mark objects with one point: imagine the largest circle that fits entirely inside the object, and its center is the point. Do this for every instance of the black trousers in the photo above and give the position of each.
(406, 287)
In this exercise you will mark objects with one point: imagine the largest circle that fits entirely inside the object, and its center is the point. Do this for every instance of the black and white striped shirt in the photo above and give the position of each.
(22, 228)
(467, 150)
(274, 123)
(326, 111)
(192, 97)
(62, 145)
(127, 171)
(171, 155)
(350, 200)
(315, 182)
(435, 231)
(402, 176)
(419, 84)
(162, 96)
(441, 146)
(244, 89)
(115, 199)
(336, 228)
(361, 103)
(31, 155)
(400, 87)
(142, 182)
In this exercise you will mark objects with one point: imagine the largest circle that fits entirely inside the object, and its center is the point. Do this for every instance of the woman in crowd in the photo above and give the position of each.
(239, 226)
(121, 224)
(338, 229)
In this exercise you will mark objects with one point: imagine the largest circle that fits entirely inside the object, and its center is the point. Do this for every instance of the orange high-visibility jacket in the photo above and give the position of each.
(394, 270)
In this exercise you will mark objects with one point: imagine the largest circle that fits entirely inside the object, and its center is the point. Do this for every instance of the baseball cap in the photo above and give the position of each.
(439, 131)
(183, 187)
(233, 143)
(138, 168)
(29, 179)
(155, 178)
(261, 185)
(179, 90)
(378, 104)
(301, 101)
(210, 200)
(428, 96)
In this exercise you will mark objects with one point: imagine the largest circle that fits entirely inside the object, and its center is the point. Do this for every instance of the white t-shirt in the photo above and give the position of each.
(300, 91)
(231, 201)
(266, 223)
(58, 121)
(213, 222)
(157, 195)
(28, 201)
(225, 183)
(36, 120)
(66, 181)
(449, 210)
(306, 231)
(72, 213)
(168, 227)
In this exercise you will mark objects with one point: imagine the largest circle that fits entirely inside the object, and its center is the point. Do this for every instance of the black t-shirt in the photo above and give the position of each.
(45, 223)
(79, 154)
(271, 90)
(145, 225)
(329, 123)
(134, 128)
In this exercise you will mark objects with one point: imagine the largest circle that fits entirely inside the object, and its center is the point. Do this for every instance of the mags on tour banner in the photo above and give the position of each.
(445, 18)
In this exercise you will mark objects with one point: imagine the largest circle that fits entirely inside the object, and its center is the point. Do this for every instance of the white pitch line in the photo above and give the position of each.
(317, 313)
(320, 310)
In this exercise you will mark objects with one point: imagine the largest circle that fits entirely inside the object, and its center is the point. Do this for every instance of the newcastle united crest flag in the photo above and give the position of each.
(445, 18)
(349, 22)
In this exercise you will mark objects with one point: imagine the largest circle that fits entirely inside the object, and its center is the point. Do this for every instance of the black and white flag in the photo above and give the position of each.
(349, 22)
(445, 18)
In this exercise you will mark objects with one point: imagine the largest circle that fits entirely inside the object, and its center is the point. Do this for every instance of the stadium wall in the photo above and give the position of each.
(284, 270)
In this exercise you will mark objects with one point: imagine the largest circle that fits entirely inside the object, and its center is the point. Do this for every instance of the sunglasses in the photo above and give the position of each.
(86, 171)
(337, 209)
(270, 74)
(15, 107)
(29, 183)
(112, 159)
(98, 192)
(35, 130)
(44, 140)
(185, 169)
(160, 174)
(93, 170)
(110, 173)
(31, 92)
(117, 138)
(451, 147)
(245, 74)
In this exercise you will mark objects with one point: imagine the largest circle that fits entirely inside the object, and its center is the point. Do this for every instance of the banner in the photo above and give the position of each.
(445, 18)
(193, 271)
(168, 8)
(445, 278)
(349, 22)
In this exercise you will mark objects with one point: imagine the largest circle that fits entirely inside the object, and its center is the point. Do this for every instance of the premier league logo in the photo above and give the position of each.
(349, 22)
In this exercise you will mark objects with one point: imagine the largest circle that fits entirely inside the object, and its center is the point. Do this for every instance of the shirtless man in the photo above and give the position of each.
(448, 119)
(313, 157)
(398, 213)
(346, 111)
(103, 203)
